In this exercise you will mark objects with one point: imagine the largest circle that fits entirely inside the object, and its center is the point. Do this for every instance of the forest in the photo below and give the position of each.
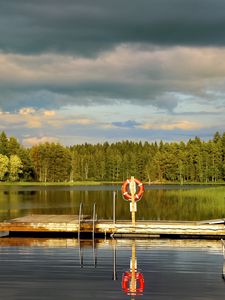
(179, 162)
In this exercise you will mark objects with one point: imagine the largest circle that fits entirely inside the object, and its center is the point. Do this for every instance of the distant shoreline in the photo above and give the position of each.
(97, 183)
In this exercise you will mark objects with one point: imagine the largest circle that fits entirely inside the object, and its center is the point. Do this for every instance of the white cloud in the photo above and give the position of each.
(31, 141)
(26, 111)
(28, 117)
(49, 113)
(184, 125)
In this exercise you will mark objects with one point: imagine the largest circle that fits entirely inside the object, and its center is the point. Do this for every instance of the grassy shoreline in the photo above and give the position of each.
(96, 183)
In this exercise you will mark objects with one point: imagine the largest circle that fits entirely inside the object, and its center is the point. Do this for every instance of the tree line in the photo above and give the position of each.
(193, 161)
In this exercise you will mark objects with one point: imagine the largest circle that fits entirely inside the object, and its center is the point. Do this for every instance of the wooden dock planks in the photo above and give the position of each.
(70, 224)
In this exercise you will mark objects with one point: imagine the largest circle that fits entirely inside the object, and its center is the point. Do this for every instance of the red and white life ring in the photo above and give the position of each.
(126, 282)
(126, 192)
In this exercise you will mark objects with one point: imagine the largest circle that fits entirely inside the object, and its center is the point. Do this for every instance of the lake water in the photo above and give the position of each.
(169, 202)
(48, 269)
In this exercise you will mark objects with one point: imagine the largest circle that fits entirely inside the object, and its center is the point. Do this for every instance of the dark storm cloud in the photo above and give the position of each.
(88, 27)
(87, 93)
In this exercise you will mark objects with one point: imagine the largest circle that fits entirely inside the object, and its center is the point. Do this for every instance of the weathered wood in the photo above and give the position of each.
(216, 221)
(70, 224)
(4, 233)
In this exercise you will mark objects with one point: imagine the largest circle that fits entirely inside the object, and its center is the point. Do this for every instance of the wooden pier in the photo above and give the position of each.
(70, 224)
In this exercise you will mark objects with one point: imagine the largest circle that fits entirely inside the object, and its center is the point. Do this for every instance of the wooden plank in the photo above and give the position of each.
(70, 224)
(216, 221)
(48, 219)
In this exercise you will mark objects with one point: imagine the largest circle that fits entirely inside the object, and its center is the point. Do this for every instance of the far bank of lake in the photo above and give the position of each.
(160, 202)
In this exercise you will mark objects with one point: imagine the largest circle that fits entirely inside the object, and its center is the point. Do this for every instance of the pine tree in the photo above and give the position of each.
(3, 144)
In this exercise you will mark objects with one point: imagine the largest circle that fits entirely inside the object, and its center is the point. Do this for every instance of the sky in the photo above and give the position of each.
(77, 71)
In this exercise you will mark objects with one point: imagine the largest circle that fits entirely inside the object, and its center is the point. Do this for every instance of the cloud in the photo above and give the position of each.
(24, 118)
(49, 113)
(126, 124)
(31, 141)
(63, 121)
(159, 124)
(161, 78)
(28, 117)
(87, 28)
(184, 125)
(80, 67)
(26, 111)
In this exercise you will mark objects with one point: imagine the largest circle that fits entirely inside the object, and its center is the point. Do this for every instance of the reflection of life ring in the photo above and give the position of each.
(126, 193)
(126, 283)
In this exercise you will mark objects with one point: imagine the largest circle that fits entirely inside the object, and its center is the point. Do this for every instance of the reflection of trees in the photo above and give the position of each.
(16, 203)
(11, 204)
(195, 204)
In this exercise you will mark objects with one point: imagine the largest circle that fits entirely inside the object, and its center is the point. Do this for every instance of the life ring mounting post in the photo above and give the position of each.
(132, 190)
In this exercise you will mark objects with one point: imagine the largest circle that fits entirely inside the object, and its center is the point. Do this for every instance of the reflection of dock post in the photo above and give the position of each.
(133, 280)
(81, 255)
(114, 260)
(223, 274)
(133, 268)
(94, 253)
(223, 249)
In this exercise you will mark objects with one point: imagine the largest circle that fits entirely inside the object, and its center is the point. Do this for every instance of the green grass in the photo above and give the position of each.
(50, 183)
(92, 182)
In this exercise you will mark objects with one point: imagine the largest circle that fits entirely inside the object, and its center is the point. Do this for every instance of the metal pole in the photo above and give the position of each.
(93, 229)
(114, 260)
(114, 207)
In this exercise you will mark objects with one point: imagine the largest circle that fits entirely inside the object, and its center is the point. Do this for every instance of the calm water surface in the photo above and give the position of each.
(66, 269)
(159, 202)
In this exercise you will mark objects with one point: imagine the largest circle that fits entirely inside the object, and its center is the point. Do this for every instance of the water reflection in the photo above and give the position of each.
(84, 244)
(133, 280)
(114, 277)
(163, 203)
(41, 268)
(223, 249)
